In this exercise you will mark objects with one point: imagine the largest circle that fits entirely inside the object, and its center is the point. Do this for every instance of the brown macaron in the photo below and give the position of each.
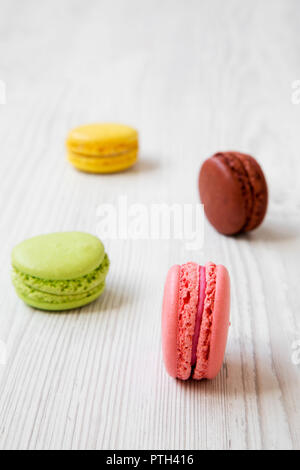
(234, 192)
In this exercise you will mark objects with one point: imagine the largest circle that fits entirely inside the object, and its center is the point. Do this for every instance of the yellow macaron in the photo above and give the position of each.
(102, 148)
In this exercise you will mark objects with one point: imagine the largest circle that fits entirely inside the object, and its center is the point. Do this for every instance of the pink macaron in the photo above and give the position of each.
(195, 320)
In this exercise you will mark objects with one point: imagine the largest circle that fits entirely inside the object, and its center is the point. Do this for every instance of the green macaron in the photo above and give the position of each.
(59, 271)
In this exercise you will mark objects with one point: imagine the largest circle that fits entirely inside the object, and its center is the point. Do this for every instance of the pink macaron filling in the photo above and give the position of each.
(199, 315)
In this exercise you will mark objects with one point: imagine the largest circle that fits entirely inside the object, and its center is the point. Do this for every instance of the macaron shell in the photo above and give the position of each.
(200, 311)
(234, 192)
(170, 320)
(223, 199)
(105, 164)
(100, 139)
(203, 346)
(59, 256)
(220, 323)
(187, 312)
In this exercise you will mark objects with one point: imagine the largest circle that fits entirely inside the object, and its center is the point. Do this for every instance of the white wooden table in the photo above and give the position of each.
(194, 77)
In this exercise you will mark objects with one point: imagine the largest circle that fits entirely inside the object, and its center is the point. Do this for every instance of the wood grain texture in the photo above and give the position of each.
(194, 77)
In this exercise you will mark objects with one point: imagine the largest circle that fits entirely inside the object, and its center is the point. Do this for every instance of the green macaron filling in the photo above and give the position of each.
(38, 296)
(37, 290)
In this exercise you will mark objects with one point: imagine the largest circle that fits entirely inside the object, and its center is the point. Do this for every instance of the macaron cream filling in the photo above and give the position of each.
(39, 296)
(60, 291)
(258, 190)
(66, 287)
